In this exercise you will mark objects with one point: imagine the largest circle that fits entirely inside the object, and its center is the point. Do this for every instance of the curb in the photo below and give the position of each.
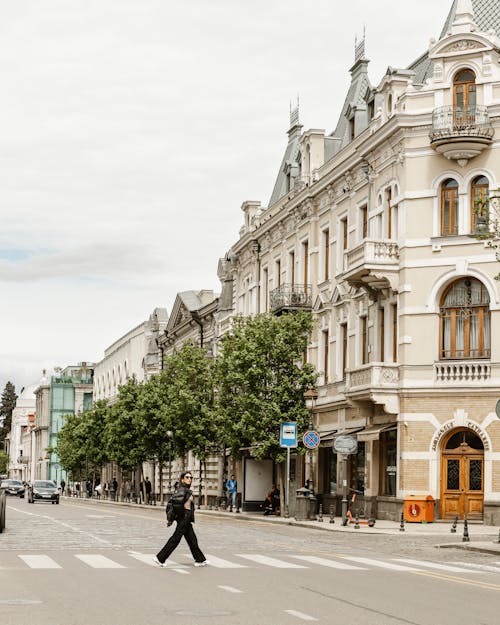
(471, 547)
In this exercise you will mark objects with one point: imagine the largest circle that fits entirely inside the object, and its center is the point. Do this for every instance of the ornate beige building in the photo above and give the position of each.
(372, 228)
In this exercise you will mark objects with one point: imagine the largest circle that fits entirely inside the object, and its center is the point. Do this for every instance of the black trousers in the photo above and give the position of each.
(184, 528)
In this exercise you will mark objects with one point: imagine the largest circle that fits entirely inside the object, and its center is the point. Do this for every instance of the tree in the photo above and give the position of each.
(487, 219)
(261, 380)
(4, 461)
(7, 405)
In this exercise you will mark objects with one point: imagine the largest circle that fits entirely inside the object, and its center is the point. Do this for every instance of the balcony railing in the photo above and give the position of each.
(291, 296)
(469, 121)
(373, 376)
(372, 252)
(462, 371)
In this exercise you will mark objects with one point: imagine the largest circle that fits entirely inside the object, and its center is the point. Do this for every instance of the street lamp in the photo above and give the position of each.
(170, 436)
(311, 395)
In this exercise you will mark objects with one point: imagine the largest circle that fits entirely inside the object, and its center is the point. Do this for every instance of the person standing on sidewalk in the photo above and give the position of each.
(184, 516)
(232, 489)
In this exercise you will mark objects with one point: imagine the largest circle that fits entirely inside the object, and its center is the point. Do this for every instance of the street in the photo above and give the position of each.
(82, 563)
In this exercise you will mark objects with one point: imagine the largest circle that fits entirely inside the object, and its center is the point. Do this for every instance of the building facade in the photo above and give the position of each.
(375, 229)
(19, 438)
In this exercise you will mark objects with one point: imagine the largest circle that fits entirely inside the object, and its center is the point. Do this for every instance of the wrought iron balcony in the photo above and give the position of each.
(290, 297)
(460, 133)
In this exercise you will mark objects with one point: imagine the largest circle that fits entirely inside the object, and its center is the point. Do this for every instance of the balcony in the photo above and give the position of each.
(373, 265)
(462, 371)
(375, 382)
(290, 297)
(459, 133)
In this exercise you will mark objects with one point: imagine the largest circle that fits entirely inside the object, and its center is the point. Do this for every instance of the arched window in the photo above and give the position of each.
(464, 95)
(465, 321)
(449, 207)
(479, 191)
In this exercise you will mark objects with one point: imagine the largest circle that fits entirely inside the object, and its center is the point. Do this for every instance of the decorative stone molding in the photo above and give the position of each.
(462, 46)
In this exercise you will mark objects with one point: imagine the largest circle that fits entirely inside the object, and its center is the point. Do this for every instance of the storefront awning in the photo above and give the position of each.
(372, 432)
(327, 439)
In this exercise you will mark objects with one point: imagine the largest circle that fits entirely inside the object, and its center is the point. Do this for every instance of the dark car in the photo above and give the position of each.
(43, 490)
(13, 487)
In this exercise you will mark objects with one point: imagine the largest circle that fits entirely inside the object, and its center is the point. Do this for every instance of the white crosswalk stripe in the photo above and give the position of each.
(334, 564)
(98, 561)
(479, 567)
(223, 564)
(279, 564)
(380, 563)
(147, 558)
(40, 562)
(430, 565)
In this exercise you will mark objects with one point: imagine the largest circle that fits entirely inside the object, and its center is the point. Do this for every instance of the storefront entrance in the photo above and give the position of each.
(462, 475)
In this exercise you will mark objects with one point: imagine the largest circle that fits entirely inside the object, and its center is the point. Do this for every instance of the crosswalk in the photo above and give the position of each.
(183, 563)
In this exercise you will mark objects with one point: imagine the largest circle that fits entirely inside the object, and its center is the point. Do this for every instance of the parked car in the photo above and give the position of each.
(13, 487)
(43, 490)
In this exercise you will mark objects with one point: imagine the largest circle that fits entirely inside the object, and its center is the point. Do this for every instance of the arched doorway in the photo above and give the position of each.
(462, 475)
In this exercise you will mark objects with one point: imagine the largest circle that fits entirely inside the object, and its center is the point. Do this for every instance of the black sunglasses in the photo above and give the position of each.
(188, 477)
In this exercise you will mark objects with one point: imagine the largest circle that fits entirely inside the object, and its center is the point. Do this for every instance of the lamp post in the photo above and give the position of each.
(311, 395)
(170, 436)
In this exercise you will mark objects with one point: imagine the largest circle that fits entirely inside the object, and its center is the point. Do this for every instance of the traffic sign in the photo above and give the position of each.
(56, 466)
(311, 439)
(288, 434)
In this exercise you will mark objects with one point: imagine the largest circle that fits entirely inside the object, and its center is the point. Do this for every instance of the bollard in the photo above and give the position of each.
(356, 519)
(465, 538)
(237, 506)
(402, 523)
(332, 513)
(454, 526)
(320, 514)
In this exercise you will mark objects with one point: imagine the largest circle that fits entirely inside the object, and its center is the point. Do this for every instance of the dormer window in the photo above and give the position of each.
(371, 110)
(389, 104)
(352, 128)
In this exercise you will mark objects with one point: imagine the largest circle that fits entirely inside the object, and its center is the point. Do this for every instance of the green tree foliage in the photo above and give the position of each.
(261, 381)
(7, 405)
(4, 460)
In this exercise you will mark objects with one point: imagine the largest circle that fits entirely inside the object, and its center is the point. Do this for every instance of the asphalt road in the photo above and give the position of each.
(81, 564)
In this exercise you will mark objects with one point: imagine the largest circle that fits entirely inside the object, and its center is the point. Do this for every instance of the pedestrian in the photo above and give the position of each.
(106, 490)
(77, 489)
(148, 490)
(63, 486)
(232, 489)
(184, 517)
(275, 500)
(126, 490)
(115, 489)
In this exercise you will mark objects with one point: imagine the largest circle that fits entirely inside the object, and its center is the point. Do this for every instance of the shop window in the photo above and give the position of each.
(465, 321)
(357, 469)
(331, 472)
(388, 463)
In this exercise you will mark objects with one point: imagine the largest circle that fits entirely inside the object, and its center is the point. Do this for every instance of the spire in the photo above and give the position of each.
(464, 18)
(295, 126)
(359, 48)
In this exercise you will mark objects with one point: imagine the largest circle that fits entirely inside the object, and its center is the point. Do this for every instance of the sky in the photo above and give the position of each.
(131, 131)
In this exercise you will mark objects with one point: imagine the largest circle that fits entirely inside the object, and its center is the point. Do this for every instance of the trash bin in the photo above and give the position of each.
(302, 504)
(418, 509)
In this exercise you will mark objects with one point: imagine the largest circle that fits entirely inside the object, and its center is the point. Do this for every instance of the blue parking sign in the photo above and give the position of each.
(288, 434)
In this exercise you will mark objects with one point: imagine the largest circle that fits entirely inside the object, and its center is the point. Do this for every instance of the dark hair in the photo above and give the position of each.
(184, 473)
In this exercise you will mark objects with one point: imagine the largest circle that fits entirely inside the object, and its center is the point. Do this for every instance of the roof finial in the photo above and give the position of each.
(464, 17)
(294, 114)
(359, 48)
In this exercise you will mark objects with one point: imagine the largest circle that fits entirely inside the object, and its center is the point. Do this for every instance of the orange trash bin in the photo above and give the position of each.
(418, 509)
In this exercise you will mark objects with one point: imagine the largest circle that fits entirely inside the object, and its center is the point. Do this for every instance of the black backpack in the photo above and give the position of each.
(175, 505)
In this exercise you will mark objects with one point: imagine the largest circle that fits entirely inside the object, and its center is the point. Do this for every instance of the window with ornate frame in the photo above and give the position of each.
(464, 323)
(479, 192)
(449, 207)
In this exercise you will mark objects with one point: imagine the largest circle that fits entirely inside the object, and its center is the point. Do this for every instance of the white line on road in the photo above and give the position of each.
(334, 564)
(223, 564)
(230, 589)
(431, 565)
(40, 562)
(380, 563)
(147, 558)
(279, 564)
(301, 615)
(98, 561)
(480, 567)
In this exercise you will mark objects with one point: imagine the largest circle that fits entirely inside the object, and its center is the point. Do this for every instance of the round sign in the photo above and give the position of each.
(55, 465)
(497, 408)
(311, 439)
(345, 444)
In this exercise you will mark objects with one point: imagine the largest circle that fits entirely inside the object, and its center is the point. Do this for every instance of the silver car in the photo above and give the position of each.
(43, 490)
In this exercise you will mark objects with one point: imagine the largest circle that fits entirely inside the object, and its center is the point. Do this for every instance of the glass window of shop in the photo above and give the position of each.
(330, 476)
(357, 469)
(388, 462)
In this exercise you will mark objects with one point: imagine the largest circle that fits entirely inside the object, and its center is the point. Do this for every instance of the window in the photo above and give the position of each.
(326, 253)
(305, 263)
(381, 325)
(357, 468)
(465, 321)
(364, 221)
(326, 355)
(464, 97)
(277, 273)
(343, 364)
(449, 207)
(364, 340)
(388, 462)
(291, 267)
(389, 212)
(343, 227)
(265, 284)
(394, 309)
(352, 128)
(479, 192)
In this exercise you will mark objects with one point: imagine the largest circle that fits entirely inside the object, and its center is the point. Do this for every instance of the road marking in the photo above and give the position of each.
(301, 615)
(480, 567)
(230, 589)
(181, 571)
(380, 563)
(431, 565)
(279, 564)
(40, 562)
(334, 564)
(459, 580)
(147, 558)
(223, 564)
(98, 561)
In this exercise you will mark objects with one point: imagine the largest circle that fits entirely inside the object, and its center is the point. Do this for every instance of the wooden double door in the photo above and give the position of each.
(462, 483)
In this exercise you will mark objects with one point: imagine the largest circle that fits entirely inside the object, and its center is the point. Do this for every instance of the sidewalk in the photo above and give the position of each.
(483, 538)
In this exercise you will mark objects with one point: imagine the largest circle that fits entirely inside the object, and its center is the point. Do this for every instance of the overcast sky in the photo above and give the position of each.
(131, 131)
